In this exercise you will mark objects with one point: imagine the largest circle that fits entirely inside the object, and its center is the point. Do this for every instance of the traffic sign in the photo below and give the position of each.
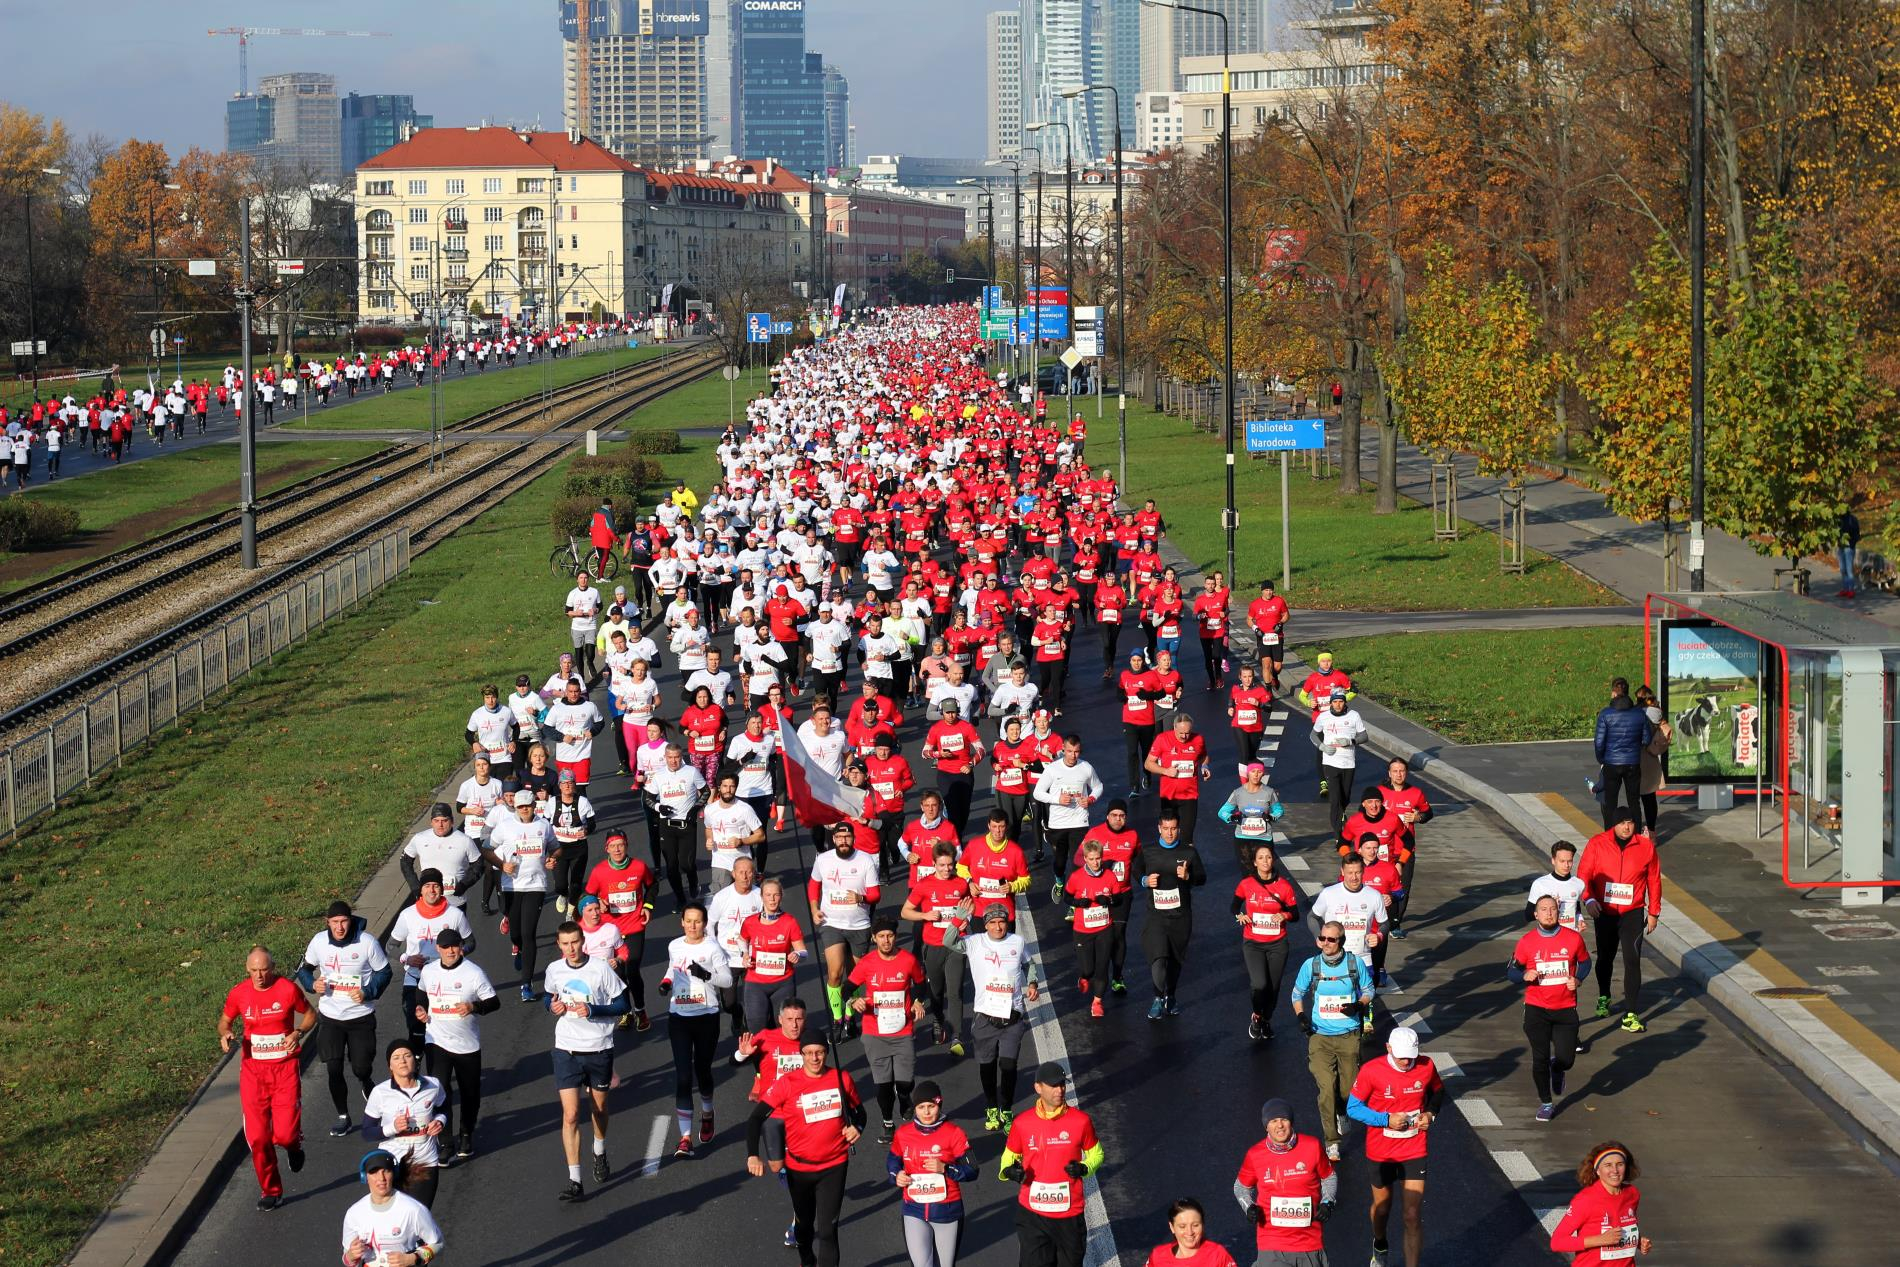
(730, 373)
(178, 340)
(1088, 331)
(758, 327)
(1278, 435)
(201, 268)
(158, 339)
(781, 327)
(290, 268)
(1071, 357)
(997, 322)
(24, 347)
(992, 298)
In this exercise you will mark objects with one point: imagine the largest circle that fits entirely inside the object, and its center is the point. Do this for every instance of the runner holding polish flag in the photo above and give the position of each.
(818, 796)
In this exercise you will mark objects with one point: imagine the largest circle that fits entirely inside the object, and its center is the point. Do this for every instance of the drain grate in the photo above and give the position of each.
(1796, 993)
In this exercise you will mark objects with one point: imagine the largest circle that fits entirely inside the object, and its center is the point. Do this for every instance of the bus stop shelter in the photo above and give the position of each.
(1782, 697)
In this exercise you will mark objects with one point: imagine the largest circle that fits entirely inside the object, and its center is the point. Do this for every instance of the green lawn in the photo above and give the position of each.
(209, 840)
(1344, 556)
(701, 403)
(463, 396)
(1492, 687)
(120, 505)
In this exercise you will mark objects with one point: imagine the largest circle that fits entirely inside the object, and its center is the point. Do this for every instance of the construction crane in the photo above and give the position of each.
(244, 34)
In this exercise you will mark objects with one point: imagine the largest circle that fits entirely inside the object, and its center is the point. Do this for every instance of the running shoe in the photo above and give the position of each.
(527, 994)
(1006, 1116)
(573, 1191)
(296, 1160)
(1332, 1152)
(601, 1169)
(1398, 932)
(1603, 1005)
(1633, 1023)
(684, 1149)
(1557, 1079)
(940, 1035)
(640, 1021)
(1082, 985)
(1174, 1006)
(465, 1149)
(992, 1120)
(1056, 892)
(1157, 1009)
(791, 1234)
(1253, 1029)
(1545, 1112)
(705, 1128)
(269, 1203)
(1322, 787)
(504, 926)
(1095, 1008)
(1117, 986)
(560, 905)
(956, 1049)
(1378, 1256)
(516, 950)
(1365, 1024)
(340, 1127)
(886, 1129)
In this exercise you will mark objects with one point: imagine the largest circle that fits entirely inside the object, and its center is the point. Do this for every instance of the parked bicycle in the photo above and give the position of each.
(573, 558)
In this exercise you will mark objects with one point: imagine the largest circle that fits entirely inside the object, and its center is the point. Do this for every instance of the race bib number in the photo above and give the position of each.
(269, 1046)
(942, 915)
(1009, 776)
(989, 886)
(1111, 615)
(1267, 921)
(1252, 826)
(950, 744)
(1049, 1198)
(622, 901)
(927, 1189)
(1183, 769)
(1167, 899)
(1625, 1248)
(1620, 894)
(1355, 936)
(821, 1106)
(1552, 971)
(786, 1061)
(1331, 1007)
(690, 990)
(1289, 1211)
(1406, 1131)
(704, 743)
(1269, 639)
(888, 1005)
(1096, 918)
(1246, 716)
(343, 980)
(770, 963)
(1137, 703)
(842, 900)
(1170, 630)
(885, 788)
(568, 835)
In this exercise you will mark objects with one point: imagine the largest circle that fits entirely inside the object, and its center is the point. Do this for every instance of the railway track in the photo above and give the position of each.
(365, 472)
(454, 499)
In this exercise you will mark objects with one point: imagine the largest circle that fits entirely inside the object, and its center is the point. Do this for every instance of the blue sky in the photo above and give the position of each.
(146, 68)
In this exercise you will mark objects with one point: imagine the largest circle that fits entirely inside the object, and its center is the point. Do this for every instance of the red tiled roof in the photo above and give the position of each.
(498, 147)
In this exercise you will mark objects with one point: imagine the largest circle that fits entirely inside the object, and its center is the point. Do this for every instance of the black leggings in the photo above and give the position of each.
(1624, 931)
(817, 1197)
(524, 927)
(1165, 940)
(1138, 739)
(1091, 960)
(420, 1182)
(1338, 793)
(629, 969)
(1014, 807)
(570, 871)
(1552, 1033)
(1111, 640)
(762, 806)
(678, 857)
(762, 1002)
(1213, 652)
(465, 1070)
(1247, 742)
(958, 791)
(695, 1038)
(1063, 842)
(999, 1082)
(355, 1039)
(1266, 967)
(1051, 675)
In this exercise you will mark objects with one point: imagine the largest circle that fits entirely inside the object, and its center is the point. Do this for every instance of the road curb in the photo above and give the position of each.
(156, 1209)
(1783, 1027)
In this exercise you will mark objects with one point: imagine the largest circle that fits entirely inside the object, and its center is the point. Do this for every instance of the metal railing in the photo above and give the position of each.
(45, 766)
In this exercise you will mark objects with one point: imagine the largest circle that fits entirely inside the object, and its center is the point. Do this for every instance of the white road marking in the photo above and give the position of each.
(1517, 1167)
(1046, 1030)
(1478, 1112)
(1446, 1066)
(656, 1143)
(1295, 863)
(1417, 1022)
(1550, 1219)
(1847, 970)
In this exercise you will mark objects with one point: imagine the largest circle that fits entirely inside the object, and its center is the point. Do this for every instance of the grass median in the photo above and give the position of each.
(1345, 558)
(1515, 686)
(129, 909)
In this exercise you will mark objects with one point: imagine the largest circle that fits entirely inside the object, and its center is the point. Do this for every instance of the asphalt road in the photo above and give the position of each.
(1176, 1102)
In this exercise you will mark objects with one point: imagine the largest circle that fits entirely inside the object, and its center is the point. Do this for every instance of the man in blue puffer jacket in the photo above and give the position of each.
(1623, 732)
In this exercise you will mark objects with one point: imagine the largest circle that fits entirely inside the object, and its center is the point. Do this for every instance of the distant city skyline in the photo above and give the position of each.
(487, 60)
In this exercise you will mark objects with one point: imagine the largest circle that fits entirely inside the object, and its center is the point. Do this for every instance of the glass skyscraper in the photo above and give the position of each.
(374, 123)
(781, 87)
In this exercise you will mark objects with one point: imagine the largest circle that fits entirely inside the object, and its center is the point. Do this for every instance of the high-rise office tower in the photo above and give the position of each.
(1168, 35)
(293, 123)
(722, 85)
(1004, 83)
(637, 83)
(375, 122)
(781, 89)
(1061, 49)
(838, 153)
(1121, 62)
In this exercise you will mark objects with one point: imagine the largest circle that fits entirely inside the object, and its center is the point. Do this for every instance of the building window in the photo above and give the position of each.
(531, 185)
(1320, 111)
(491, 184)
(379, 189)
(418, 272)
(458, 272)
(418, 245)
(456, 242)
(380, 220)
(1260, 116)
(418, 188)
(418, 215)
(457, 185)
(1207, 118)
(491, 242)
(573, 212)
(491, 215)
(573, 242)
(573, 184)
(382, 299)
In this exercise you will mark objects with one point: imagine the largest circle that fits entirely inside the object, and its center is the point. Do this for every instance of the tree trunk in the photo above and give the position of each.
(1351, 404)
(1387, 500)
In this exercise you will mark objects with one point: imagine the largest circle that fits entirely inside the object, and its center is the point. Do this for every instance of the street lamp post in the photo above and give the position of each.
(1121, 283)
(1016, 198)
(1230, 516)
(247, 431)
(1698, 237)
(1068, 198)
(32, 295)
(1035, 342)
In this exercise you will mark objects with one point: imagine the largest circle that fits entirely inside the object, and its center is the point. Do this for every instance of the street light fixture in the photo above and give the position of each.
(1121, 280)
(1016, 197)
(1230, 516)
(1035, 342)
(1068, 198)
(32, 296)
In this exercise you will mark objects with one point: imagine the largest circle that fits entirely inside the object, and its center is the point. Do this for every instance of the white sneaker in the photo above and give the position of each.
(560, 905)
(1332, 1152)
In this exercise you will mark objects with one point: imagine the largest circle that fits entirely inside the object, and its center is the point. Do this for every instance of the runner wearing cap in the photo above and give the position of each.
(404, 1115)
(1623, 894)
(994, 865)
(388, 1228)
(344, 966)
(1287, 1189)
(1360, 910)
(277, 1018)
(624, 885)
(1048, 1153)
(453, 992)
(585, 997)
(1550, 960)
(887, 980)
(527, 705)
(571, 817)
(1337, 733)
(1600, 1225)
(415, 935)
(1250, 811)
(519, 848)
(451, 854)
(822, 1117)
(1332, 994)
(1267, 616)
(929, 1162)
(1003, 980)
(1397, 1096)
(1139, 691)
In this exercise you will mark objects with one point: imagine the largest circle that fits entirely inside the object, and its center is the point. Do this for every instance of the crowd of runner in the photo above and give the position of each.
(865, 627)
(113, 418)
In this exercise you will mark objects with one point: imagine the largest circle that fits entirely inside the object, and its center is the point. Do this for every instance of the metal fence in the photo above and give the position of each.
(45, 767)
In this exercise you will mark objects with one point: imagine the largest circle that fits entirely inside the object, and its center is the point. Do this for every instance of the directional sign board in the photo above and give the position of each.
(1053, 301)
(1280, 435)
(1088, 331)
(782, 327)
(997, 322)
(24, 347)
(992, 298)
(290, 268)
(758, 327)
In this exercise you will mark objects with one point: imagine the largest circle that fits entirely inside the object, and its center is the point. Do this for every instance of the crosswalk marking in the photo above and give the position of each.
(1478, 1112)
(1516, 1166)
(1417, 1022)
(656, 1144)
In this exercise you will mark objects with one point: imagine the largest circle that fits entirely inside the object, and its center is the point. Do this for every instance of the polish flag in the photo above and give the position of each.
(818, 797)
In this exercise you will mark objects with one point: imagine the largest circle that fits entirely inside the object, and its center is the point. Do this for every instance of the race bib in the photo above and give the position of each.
(842, 899)
(942, 915)
(885, 788)
(1401, 1132)
(622, 901)
(998, 999)
(1137, 703)
(1625, 1248)
(989, 886)
(1183, 769)
(786, 1061)
(1268, 921)
(690, 990)
(770, 963)
(1331, 1007)
(888, 1005)
(1111, 615)
(1620, 894)
(704, 743)
(1246, 716)
(568, 835)
(1009, 776)
(1289, 1211)
(1049, 1198)
(343, 980)
(951, 744)
(1170, 630)
(269, 1046)
(1252, 826)
(1167, 899)
(821, 1106)
(1552, 971)
(927, 1189)
(1096, 918)
(1355, 935)
(1269, 639)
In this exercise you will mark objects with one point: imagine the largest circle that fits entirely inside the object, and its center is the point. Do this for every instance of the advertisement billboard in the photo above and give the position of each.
(1088, 331)
(674, 18)
(1712, 698)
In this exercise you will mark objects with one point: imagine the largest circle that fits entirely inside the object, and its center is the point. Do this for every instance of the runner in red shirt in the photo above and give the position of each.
(1407, 800)
(277, 1017)
(1210, 619)
(1623, 893)
(891, 779)
(1179, 759)
(1111, 613)
(823, 1116)
(1140, 690)
(938, 902)
(1396, 1097)
(956, 748)
(1187, 1221)
(1120, 843)
(774, 946)
(1292, 1187)
(995, 867)
(1600, 1226)
(1092, 891)
(1248, 706)
(1550, 959)
(1266, 904)
(1267, 615)
(1383, 879)
(1049, 1152)
(624, 885)
(886, 979)
(1376, 820)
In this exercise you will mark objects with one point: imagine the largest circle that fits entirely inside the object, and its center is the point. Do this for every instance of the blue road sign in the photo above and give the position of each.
(782, 327)
(992, 297)
(1278, 435)
(758, 327)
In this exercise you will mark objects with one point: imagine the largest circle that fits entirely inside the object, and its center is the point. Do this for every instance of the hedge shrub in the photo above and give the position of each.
(27, 524)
